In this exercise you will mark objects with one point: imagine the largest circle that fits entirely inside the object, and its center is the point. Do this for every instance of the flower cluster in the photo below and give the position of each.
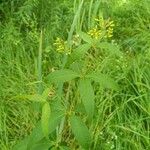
(109, 28)
(60, 45)
(95, 32)
(103, 29)
(76, 40)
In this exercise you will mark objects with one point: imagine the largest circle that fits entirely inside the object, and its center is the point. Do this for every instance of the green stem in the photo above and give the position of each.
(60, 89)
(40, 64)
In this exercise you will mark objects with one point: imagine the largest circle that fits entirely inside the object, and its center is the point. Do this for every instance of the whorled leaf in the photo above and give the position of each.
(46, 112)
(62, 75)
(104, 80)
(85, 37)
(87, 96)
(79, 52)
(80, 132)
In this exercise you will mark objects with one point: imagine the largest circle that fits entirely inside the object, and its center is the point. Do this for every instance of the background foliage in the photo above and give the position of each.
(97, 97)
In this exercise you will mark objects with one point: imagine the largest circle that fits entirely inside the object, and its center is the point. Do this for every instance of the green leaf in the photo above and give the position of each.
(79, 52)
(58, 111)
(62, 75)
(86, 37)
(87, 96)
(80, 132)
(45, 93)
(55, 119)
(77, 66)
(35, 136)
(104, 80)
(110, 48)
(41, 145)
(33, 98)
(36, 97)
(37, 133)
(79, 108)
(22, 145)
(46, 111)
(64, 148)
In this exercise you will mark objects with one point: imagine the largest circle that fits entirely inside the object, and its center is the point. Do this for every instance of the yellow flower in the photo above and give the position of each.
(104, 26)
(109, 32)
(76, 40)
(95, 33)
(111, 24)
(60, 45)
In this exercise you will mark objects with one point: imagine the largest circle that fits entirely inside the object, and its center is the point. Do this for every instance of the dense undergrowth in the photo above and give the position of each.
(74, 74)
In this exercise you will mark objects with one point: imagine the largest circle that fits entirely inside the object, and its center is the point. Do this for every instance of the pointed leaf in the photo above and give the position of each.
(80, 132)
(45, 118)
(44, 144)
(22, 145)
(104, 80)
(87, 96)
(58, 112)
(33, 98)
(41, 146)
(37, 133)
(64, 148)
(35, 136)
(110, 48)
(62, 75)
(79, 52)
(45, 93)
(85, 37)
(55, 120)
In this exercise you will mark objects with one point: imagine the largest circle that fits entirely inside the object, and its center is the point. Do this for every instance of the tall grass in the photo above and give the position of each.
(28, 57)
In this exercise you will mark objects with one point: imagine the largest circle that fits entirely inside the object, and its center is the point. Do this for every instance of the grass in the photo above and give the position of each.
(102, 98)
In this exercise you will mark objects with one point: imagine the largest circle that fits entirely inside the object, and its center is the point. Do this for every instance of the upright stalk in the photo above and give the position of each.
(69, 40)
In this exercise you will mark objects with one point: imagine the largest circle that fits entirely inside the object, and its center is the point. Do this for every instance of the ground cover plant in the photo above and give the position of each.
(74, 75)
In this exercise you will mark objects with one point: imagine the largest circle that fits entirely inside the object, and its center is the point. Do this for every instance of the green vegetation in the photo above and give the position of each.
(75, 75)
